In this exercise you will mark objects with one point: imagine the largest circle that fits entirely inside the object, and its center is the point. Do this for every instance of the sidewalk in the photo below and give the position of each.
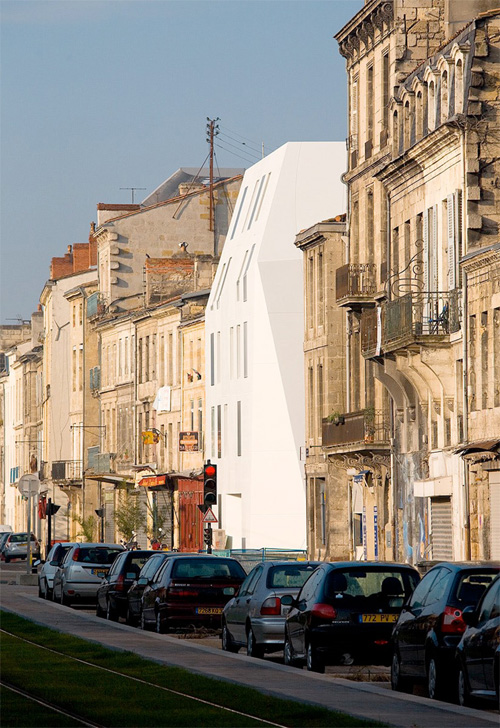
(365, 700)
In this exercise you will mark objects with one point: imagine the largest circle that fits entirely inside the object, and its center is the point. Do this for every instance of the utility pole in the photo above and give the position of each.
(212, 132)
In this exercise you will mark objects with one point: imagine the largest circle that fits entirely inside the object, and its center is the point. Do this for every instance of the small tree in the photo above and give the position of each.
(87, 526)
(159, 516)
(130, 516)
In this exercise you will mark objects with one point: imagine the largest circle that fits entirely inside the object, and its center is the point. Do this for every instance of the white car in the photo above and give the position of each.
(16, 547)
(49, 568)
(81, 572)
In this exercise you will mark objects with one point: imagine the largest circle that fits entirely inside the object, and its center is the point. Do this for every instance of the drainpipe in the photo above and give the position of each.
(465, 334)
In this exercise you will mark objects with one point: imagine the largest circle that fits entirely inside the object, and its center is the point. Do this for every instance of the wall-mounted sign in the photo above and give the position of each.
(151, 480)
(150, 437)
(188, 441)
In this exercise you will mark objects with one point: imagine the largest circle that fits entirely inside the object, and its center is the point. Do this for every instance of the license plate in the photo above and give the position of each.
(208, 610)
(99, 572)
(379, 618)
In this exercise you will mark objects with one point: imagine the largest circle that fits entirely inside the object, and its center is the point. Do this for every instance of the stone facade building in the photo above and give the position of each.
(419, 279)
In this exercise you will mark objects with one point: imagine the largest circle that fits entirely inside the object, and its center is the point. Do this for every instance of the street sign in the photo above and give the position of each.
(209, 516)
(29, 484)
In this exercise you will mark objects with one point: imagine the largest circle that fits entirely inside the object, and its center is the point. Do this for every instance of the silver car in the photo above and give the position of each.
(81, 572)
(255, 617)
(49, 568)
(16, 547)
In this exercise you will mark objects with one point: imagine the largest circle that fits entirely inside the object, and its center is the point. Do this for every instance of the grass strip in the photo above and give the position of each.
(113, 700)
(21, 712)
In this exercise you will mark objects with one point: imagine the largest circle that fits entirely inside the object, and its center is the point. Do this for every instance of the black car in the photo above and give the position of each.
(430, 626)
(478, 654)
(345, 613)
(146, 577)
(190, 591)
(112, 594)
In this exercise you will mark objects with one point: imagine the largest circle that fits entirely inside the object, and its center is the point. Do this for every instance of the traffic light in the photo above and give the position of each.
(207, 536)
(100, 512)
(51, 509)
(209, 484)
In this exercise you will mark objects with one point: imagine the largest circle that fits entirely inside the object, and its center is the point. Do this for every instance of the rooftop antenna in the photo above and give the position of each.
(133, 190)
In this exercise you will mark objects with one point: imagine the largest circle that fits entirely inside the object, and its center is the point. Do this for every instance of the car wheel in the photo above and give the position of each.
(111, 614)
(288, 657)
(227, 641)
(7, 559)
(314, 662)
(64, 599)
(437, 688)
(253, 649)
(159, 624)
(130, 619)
(142, 621)
(54, 598)
(462, 688)
(398, 682)
(99, 611)
(41, 594)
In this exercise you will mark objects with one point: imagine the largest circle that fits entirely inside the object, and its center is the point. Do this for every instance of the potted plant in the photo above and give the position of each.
(337, 418)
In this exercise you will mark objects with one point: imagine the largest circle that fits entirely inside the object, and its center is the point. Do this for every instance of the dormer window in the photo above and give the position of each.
(444, 97)
(395, 133)
(431, 106)
(419, 116)
(459, 87)
(407, 125)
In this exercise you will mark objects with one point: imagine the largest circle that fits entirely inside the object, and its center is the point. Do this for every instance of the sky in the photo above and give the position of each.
(99, 95)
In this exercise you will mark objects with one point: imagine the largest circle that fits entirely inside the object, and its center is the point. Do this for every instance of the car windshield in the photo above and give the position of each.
(289, 575)
(369, 588)
(97, 555)
(471, 587)
(207, 569)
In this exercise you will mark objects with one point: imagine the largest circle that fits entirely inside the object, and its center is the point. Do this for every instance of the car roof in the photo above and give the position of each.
(367, 564)
(466, 565)
(96, 545)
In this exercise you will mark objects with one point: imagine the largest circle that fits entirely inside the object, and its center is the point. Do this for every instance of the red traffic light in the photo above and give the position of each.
(209, 471)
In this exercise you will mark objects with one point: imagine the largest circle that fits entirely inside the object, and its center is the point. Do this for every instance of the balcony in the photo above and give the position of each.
(356, 284)
(96, 305)
(424, 318)
(66, 470)
(99, 462)
(364, 430)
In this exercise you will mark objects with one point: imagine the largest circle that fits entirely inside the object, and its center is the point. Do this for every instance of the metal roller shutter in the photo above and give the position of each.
(494, 517)
(441, 534)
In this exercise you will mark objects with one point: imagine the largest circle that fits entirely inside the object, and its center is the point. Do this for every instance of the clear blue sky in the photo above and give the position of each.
(98, 95)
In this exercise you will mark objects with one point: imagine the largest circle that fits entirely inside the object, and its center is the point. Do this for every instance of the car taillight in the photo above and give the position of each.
(452, 622)
(76, 554)
(271, 606)
(324, 611)
(176, 591)
(120, 583)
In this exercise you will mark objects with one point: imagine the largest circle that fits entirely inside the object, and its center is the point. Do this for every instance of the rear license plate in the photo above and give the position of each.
(99, 572)
(21, 544)
(208, 610)
(379, 618)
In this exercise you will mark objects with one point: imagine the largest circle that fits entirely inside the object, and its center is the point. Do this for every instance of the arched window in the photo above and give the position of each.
(419, 116)
(444, 96)
(459, 87)
(395, 133)
(407, 125)
(431, 111)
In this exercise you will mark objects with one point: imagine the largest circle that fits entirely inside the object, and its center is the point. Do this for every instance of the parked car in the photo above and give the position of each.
(3, 539)
(430, 626)
(145, 578)
(49, 568)
(82, 570)
(5, 528)
(16, 547)
(190, 591)
(255, 617)
(345, 613)
(478, 653)
(112, 593)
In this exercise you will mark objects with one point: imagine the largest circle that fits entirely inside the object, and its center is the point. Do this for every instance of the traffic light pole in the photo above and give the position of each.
(209, 539)
(49, 526)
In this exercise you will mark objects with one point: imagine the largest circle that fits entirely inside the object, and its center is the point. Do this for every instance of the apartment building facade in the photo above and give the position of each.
(423, 210)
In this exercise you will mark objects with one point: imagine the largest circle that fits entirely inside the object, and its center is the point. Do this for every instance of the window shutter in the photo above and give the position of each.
(458, 235)
(426, 250)
(452, 262)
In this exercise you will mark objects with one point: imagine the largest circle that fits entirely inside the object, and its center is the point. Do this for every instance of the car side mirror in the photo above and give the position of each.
(469, 615)
(54, 563)
(302, 605)
(38, 562)
(287, 600)
(143, 581)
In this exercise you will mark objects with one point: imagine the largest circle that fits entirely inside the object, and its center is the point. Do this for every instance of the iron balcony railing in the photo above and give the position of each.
(96, 305)
(356, 281)
(364, 428)
(413, 318)
(66, 470)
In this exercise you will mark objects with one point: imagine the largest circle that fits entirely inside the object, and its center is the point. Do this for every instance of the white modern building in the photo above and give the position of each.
(254, 333)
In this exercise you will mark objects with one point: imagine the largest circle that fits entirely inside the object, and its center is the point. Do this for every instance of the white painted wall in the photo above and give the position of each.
(262, 490)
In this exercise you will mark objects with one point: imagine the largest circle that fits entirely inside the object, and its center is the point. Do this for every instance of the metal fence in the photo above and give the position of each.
(249, 558)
